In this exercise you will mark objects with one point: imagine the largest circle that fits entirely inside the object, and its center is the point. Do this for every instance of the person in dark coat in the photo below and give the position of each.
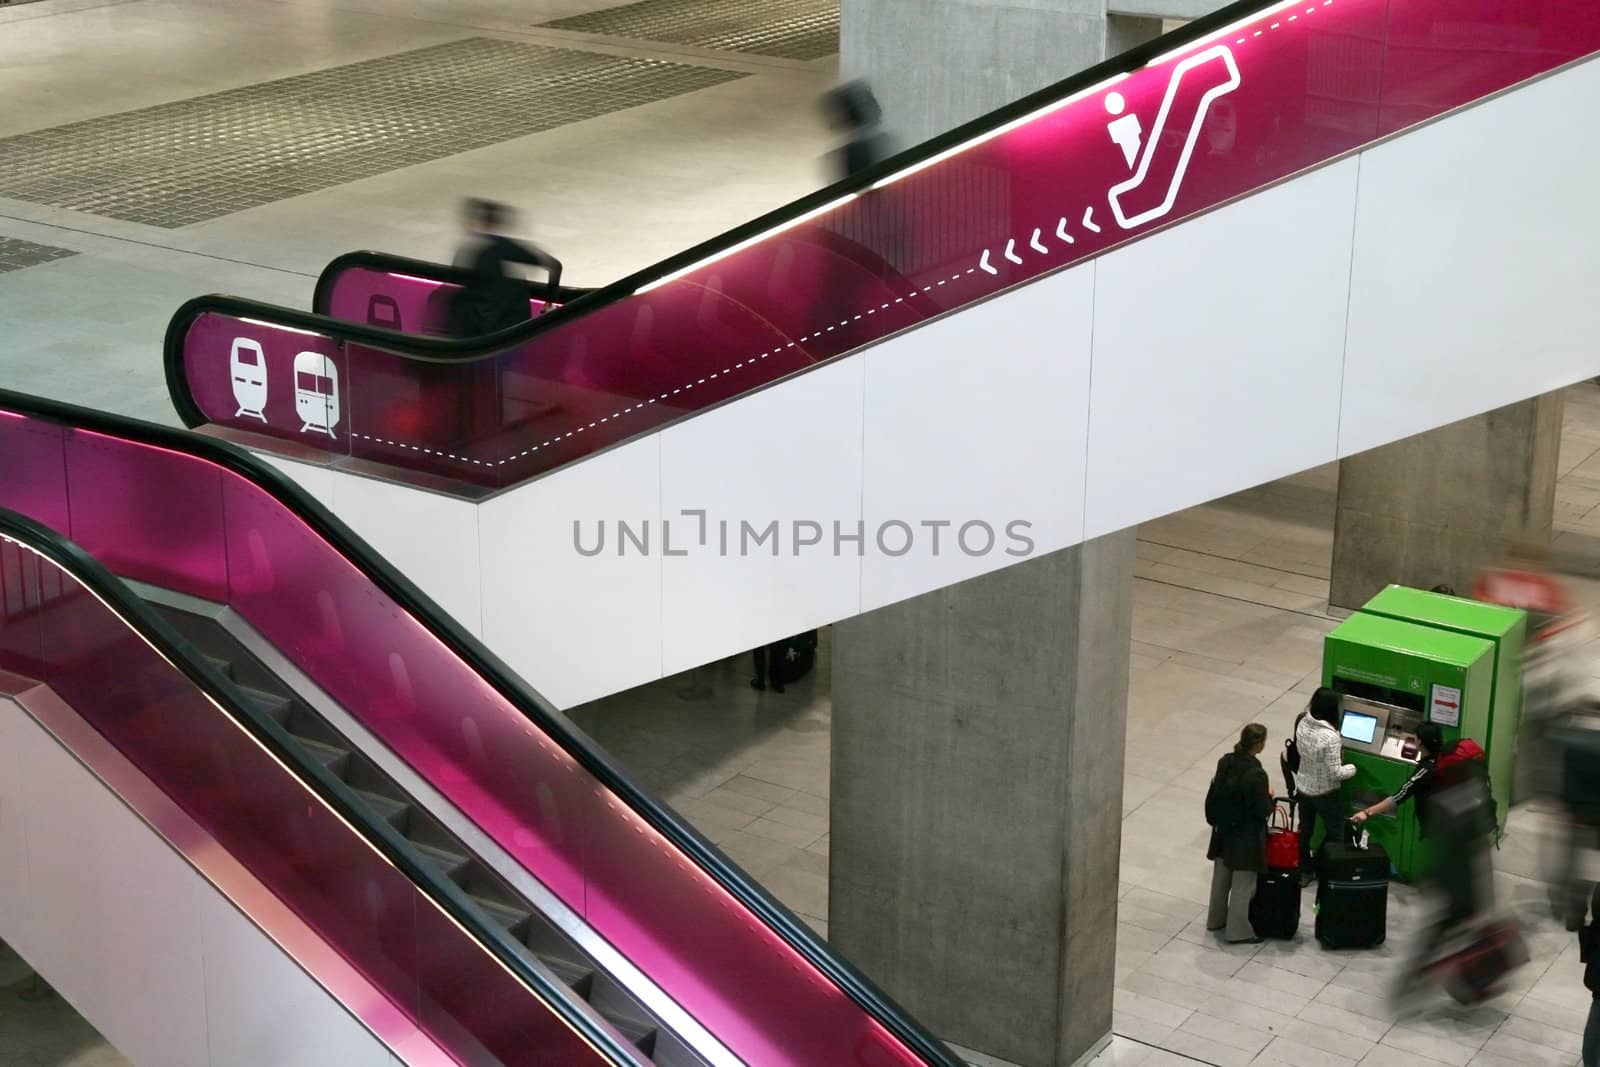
(852, 110)
(1237, 805)
(494, 298)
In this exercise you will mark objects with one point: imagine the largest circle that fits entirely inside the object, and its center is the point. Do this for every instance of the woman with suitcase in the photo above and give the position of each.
(1237, 805)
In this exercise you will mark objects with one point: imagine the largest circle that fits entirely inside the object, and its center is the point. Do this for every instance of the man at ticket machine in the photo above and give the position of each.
(1450, 788)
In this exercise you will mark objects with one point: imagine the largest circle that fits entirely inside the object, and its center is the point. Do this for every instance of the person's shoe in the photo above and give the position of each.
(758, 685)
(1258, 939)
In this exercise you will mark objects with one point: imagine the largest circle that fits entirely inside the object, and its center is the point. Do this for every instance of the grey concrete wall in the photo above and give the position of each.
(934, 64)
(1437, 507)
(978, 741)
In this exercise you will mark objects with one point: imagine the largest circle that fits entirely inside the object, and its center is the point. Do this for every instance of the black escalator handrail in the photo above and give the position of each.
(390, 263)
(610, 774)
(430, 349)
(379, 833)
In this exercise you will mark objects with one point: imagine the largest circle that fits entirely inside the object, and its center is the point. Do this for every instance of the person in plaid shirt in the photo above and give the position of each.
(1322, 771)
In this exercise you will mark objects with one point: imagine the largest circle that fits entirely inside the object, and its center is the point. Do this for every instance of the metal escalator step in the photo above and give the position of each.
(395, 811)
(274, 705)
(329, 756)
(449, 864)
(578, 977)
(509, 918)
(223, 667)
(642, 1034)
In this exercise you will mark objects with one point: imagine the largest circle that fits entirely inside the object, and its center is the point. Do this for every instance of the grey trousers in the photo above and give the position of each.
(1231, 893)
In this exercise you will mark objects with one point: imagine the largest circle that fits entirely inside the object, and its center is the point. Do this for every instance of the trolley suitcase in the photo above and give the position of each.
(1352, 896)
(1475, 973)
(1275, 909)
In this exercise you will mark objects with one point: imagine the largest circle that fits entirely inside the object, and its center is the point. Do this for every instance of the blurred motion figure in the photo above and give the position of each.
(853, 110)
(494, 298)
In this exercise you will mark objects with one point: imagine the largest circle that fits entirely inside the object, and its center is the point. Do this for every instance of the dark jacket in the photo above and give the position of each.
(1237, 805)
(494, 298)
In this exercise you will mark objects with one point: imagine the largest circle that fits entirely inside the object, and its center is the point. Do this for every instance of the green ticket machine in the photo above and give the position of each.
(1410, 657)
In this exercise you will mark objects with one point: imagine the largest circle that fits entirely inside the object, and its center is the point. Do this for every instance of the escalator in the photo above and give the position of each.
(1280, 235)
(504, 886)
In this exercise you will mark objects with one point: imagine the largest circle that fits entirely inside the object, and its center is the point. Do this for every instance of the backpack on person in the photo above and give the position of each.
(1463, 801)
(1289, 759)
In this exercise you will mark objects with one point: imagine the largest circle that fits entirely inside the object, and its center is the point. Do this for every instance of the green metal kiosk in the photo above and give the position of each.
(1395, 675)
(1507, 629)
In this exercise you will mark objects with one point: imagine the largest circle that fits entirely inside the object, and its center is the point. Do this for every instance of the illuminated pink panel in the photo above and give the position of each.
(33, 469)
(148, 513)
(268, 379)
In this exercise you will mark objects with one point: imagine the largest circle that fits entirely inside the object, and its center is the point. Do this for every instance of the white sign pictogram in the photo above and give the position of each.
(316, 392)
(1153, 142)
(248, 367)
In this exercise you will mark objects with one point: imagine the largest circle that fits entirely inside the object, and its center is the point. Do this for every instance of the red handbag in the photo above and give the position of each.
(1283, 843)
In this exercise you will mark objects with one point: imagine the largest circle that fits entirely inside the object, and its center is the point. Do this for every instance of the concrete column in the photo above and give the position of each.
(1435, 508)
(934, 64)
(978, 742)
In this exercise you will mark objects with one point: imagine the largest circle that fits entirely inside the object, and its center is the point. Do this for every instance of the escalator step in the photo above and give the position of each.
(395, 811)
(449, 864)
(510, 919)
(332, 758)
(276, 706)
(222, 666)
(642, 1034)
(578, 977)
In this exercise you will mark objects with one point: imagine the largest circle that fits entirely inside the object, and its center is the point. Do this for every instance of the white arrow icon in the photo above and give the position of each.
(1011, 251)
(1088, 219)
(984, 263)
(1061, 231)
(1036, 246)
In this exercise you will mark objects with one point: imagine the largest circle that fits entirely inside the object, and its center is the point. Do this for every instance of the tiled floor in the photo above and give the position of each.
(796, 29)
(44, 1031)
(16, 254)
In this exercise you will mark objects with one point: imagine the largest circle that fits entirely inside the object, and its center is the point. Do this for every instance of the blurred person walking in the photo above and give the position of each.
(1589, 954)
(494, 298)
(1237, 804)
(852, 110)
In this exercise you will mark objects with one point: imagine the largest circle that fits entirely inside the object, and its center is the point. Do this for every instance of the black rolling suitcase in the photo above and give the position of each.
(1275, 909)
(1352, 896)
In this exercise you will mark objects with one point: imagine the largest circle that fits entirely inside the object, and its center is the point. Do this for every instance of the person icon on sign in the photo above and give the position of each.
(1126, 131)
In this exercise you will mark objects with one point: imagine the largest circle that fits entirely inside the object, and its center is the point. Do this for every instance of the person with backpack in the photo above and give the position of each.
(1317, 760)
(1237, 805)
(1451, 789)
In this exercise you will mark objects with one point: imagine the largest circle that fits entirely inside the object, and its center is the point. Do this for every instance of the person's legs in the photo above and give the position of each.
(1591, 1037)
(760, 657)
(1221, 880)
(1306, 818)
(1241, 890)
(1331, 810)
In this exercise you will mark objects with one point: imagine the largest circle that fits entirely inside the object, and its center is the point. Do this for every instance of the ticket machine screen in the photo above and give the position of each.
(1358, 727)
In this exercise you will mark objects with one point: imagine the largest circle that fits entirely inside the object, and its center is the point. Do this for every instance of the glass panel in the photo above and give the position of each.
(54, 630)
(1292, 87)
(724, 965)
(394, 300)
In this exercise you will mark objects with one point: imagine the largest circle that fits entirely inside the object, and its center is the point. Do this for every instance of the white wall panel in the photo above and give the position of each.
(14, 905)
(791, 453)
(253, 989)
(1217, 351)
(978, 417)
(1477, 265)
(576, 626)
(432, 539)
(137, 941)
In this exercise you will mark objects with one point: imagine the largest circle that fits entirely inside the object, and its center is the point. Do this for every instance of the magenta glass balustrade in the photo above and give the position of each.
(191, 525)
(1294, 86)
(395, 300)
(430, 970)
